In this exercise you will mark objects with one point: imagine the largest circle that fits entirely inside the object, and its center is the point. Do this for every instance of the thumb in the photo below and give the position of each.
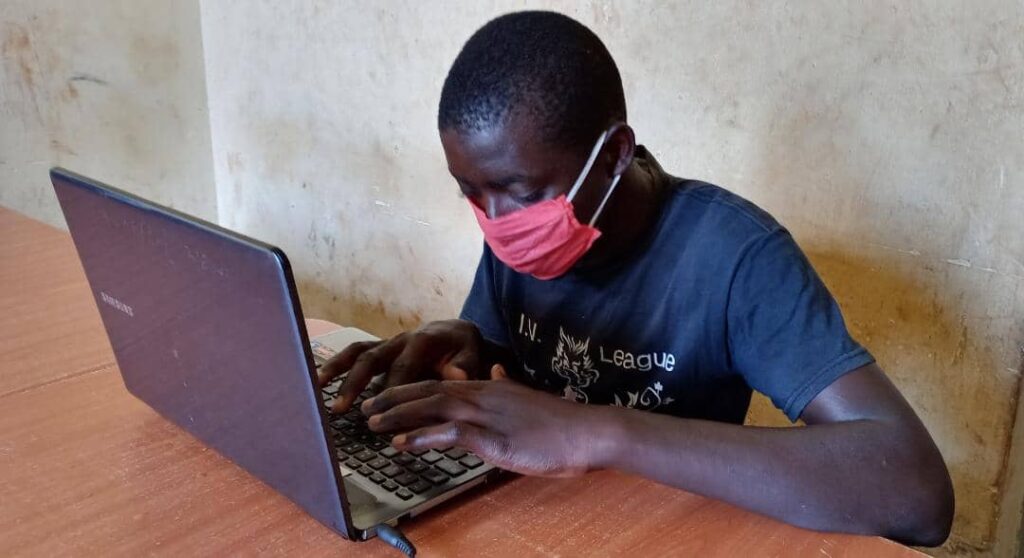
(498, 372)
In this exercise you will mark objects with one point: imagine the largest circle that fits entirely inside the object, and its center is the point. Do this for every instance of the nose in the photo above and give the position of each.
(497, 206)
(491, 207)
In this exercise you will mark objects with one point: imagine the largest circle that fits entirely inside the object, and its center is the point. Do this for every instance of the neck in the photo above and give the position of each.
(628, 216)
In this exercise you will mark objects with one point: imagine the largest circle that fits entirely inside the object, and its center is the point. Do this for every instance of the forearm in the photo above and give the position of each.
(836, 476)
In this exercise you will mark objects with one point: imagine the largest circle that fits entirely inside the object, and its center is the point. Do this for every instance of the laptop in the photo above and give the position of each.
(207, 330)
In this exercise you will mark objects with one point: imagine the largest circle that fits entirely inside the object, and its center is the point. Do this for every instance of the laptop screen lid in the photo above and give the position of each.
(207, 330)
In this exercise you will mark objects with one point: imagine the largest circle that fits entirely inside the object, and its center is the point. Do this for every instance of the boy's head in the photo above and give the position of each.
(542, 66)
(525, 100)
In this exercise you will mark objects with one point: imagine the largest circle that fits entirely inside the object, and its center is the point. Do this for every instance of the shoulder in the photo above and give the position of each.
(713, 205)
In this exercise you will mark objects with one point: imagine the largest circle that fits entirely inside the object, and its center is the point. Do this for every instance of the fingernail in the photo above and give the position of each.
(367, 404)
(400, 439)
(373, 421)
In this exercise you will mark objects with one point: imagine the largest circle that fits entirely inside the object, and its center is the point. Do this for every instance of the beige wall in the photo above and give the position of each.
(112, 89)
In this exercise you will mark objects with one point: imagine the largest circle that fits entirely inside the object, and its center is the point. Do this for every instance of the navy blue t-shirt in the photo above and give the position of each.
(719, 300)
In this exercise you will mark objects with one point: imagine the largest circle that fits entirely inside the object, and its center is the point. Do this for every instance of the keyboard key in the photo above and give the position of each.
(403, 459)
(377, 445)
(389, 486)
(471, 461)
(365, 455)
(435, 476)
(443, 450)
(378, 478)
(379, 463)
(406, 479)
(420, 486)
(403, 494)
(418, 452)
(366, 471)
(353, 464)
(450, 467)
(392, 470)
(355, 416)
(352, 448)
(456, 453)
(432, 457)
(417, 467)
(389, 452)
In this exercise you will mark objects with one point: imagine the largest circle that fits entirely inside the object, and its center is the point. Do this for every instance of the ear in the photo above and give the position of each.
(620, 147)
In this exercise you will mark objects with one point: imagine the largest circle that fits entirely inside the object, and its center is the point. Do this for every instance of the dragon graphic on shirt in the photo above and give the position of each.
(572, 362)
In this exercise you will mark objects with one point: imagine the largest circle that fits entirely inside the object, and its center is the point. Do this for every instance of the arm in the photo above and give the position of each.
(864, 464)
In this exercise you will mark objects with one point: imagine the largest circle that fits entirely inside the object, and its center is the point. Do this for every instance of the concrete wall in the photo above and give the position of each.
(112, 89)
(888, 138)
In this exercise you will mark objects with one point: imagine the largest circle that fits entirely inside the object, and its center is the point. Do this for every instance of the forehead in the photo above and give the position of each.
(508, 148)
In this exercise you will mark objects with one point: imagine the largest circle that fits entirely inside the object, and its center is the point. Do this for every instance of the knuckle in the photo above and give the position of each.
(401, 366)
(366, 358)
(458, 431)
(432, 386)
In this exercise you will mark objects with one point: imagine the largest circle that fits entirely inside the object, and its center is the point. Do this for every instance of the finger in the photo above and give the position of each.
(400, 394)
(498, 372)
(462, 365)
(415, 361)
(435, 409)
(341, 362)
(453, 372)
(483, 442)
(366, 366)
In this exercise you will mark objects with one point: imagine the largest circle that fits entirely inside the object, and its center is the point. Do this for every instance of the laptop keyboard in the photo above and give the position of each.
(370, 455)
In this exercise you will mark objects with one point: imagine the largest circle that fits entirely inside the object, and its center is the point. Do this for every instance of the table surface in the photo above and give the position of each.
(86, 469)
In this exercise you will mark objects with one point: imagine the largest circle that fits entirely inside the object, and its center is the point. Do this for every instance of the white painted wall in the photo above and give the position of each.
(113, 89)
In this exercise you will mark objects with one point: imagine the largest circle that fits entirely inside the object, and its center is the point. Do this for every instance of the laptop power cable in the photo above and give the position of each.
(395, 538)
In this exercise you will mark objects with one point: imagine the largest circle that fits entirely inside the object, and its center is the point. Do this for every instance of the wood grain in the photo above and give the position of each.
(86, 469)
(49, 325)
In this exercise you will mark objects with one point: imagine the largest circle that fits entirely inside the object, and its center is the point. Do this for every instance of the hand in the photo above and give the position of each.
(505, 423)
(448, 350)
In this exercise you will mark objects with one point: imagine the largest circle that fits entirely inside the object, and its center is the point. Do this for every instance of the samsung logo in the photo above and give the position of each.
(111, 301)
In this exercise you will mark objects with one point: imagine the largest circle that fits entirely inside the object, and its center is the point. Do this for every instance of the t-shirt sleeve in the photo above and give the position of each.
(786, 333)
(483, 306)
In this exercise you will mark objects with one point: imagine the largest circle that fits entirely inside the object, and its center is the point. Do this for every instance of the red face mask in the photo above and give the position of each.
(545, 239)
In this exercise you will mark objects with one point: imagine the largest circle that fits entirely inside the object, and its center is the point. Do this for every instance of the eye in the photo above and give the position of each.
(532, 197)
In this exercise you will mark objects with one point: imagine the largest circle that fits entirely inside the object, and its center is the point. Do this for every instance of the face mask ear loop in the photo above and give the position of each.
(586, 168)
(615, 182)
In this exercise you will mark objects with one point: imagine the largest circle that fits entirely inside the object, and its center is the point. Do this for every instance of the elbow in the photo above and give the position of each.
(927, 515)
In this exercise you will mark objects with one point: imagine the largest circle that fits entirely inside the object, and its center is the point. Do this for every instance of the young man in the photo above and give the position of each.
(659, 301)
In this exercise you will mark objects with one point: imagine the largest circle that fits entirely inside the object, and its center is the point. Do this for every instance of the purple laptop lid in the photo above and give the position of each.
(207, 330)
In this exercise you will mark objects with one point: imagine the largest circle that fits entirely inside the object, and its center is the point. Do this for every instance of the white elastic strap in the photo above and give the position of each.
(586, 168)
(615, 182)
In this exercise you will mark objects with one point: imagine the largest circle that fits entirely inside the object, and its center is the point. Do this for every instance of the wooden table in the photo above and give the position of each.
(86, 469)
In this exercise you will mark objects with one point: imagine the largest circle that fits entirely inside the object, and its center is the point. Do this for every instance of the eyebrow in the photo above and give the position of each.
(504, 182)
(500, 183)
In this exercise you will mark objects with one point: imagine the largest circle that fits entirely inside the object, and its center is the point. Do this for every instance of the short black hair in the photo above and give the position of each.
(544, 65)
